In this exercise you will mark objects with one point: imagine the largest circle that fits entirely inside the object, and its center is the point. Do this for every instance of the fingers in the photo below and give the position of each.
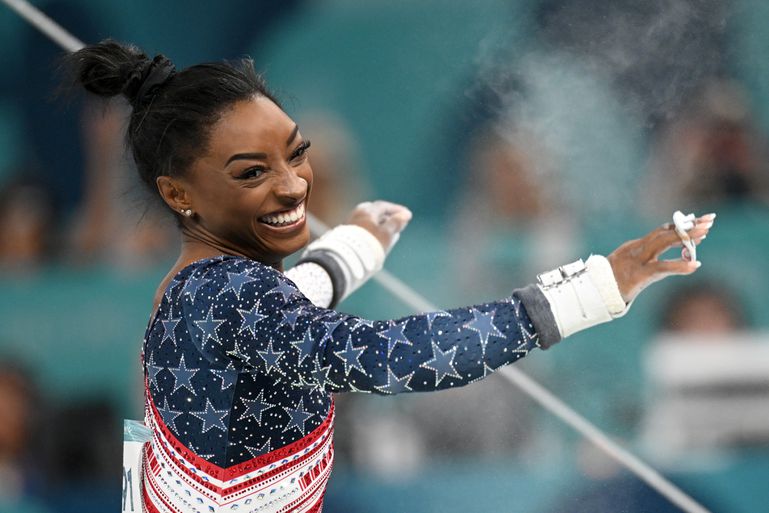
(667, 267)
(391, 216)
(385, 220)
(395, 222)
(665, 237)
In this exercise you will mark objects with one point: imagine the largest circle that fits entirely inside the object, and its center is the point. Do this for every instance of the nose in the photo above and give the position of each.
(291, 187)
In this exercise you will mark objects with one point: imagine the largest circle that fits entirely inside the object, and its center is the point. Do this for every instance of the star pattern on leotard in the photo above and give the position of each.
(530, 339)
(285, 289)
(305, 346)
(235, 282)
(290, 318)
(168, 414)
(330, 327)
(442, 363)
(192, 286)
(208, 326)
(211, 417)
(358, 322)
(270, 357)
(239, 355)
(320, 374)
(255, 407)
(431, 316)
(228, 376)
(256, 451)
(169, 327)
(351, 357)
(483, 324)
(298, 416)
(394, 335)
(153, 371)
(183, 377)
(395, 385)
(251, 318)
(239, 364)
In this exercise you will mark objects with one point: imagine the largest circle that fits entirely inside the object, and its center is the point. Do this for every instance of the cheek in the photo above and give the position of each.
(234, 210)
(304, 170)
(306, 173)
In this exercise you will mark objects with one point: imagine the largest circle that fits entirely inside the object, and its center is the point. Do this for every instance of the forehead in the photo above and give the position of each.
(252, 125)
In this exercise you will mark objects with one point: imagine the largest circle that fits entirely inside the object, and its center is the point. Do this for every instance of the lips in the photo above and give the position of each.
(284, 218)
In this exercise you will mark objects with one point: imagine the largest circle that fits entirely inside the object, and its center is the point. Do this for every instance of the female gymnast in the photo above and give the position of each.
(241, 359)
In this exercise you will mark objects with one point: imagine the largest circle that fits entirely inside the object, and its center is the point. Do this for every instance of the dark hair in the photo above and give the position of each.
(173, 112)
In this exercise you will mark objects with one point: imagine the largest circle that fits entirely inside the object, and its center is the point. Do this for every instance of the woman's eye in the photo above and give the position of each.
(252, 172)
(301, 150)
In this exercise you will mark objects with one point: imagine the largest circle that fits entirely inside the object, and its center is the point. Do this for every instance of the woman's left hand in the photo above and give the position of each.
(636, 263)
(383, 219)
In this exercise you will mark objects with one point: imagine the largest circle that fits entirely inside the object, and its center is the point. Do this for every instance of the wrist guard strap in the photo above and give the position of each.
(582, 294)
(356, 251)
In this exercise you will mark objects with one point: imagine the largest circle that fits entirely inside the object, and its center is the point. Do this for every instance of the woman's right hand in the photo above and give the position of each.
(383, 219)
(636, 263)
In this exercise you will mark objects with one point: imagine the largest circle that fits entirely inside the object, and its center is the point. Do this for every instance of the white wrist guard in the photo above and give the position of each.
(582, 294)
(358, 253)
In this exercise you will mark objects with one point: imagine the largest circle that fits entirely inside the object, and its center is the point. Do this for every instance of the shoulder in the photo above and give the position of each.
(223, 266)
(236, 276)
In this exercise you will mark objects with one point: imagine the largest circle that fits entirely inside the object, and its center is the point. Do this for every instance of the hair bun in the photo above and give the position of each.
(110, 68)
(146, 78)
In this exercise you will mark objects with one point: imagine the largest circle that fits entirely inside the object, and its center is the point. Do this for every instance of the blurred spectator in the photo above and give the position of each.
(707, 373)
(20, 469)
(111, 225)
(83, 455)
(707, 390)
(27, 226)
(703, 308)
(52, 144)
(712, 155)
(507, 226)
(338, 178)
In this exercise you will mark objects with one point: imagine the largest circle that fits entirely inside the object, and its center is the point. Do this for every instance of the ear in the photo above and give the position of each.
(174, 193)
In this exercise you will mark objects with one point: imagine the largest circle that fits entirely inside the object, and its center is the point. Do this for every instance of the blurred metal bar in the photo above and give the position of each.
(413, 299)
(46, 25)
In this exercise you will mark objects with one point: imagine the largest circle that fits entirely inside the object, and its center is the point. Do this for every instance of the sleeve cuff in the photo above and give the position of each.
(538, 308)
(334, 271)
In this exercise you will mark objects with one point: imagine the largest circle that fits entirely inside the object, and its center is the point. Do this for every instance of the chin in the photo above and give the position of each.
(287, 247)
(301, 241)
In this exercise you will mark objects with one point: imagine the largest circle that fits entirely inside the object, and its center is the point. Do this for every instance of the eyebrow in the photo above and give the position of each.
(293, 135)
(261, 156)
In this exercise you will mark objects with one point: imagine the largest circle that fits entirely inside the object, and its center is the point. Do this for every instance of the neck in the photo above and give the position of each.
(197, 246)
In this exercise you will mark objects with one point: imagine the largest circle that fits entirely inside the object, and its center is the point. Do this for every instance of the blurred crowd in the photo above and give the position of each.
(521, 200)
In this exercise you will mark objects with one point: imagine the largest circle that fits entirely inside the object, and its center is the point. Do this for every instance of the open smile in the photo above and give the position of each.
(286, 218)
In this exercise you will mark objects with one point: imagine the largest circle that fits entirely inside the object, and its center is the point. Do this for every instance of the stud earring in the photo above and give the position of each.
(187, 212)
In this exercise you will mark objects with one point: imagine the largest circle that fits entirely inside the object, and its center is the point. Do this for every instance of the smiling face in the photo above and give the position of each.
(249, 191)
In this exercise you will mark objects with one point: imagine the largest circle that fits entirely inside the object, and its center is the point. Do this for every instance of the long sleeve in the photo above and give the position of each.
(314, 282)
(257, 320)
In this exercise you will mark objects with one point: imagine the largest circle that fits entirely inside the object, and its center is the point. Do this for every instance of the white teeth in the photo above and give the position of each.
(285, 217)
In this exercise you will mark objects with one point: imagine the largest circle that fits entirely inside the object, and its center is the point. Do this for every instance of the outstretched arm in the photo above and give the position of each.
(277, 331)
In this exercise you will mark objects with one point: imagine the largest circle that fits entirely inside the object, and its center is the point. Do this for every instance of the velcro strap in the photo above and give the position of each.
(582, 294)
(357, 251)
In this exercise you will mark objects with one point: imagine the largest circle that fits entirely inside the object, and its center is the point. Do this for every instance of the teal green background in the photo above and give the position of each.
(395, 71)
